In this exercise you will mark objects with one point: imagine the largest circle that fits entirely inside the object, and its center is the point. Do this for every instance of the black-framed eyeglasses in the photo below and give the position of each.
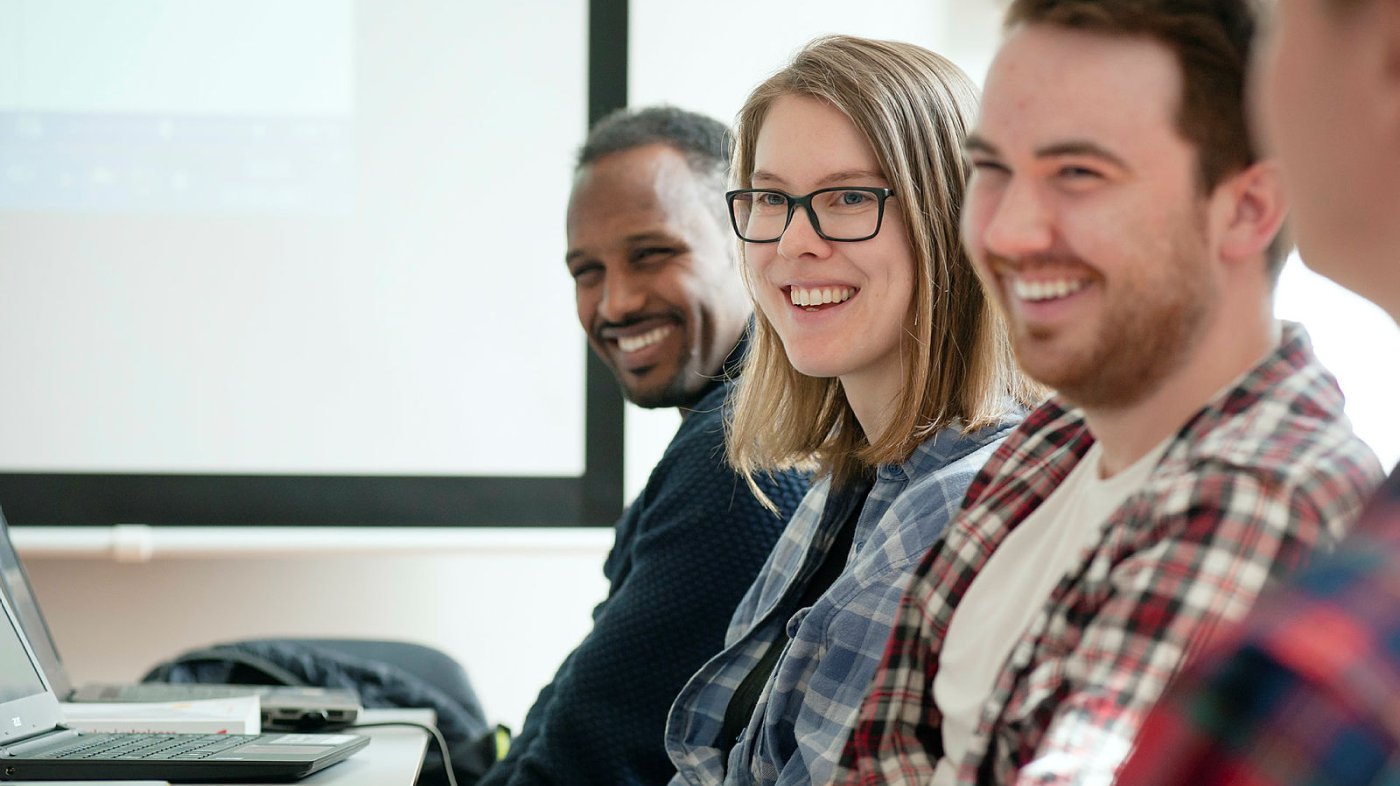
(847, 214)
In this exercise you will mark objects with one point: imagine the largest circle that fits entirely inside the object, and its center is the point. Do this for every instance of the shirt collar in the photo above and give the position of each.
(948, 446)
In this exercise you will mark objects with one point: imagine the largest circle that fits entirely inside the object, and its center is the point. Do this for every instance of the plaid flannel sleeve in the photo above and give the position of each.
(896, 740)
(1206, 555)
(1302, 694)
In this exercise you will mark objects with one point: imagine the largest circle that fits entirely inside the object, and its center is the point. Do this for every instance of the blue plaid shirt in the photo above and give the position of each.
(808, 707)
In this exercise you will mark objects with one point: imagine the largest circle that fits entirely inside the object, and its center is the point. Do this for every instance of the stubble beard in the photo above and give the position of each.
(1147, 333)
(674, 392)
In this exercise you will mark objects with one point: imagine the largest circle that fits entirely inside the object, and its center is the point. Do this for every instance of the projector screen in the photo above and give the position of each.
(323, 238)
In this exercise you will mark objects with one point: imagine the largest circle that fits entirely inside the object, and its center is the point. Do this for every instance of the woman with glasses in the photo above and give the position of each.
(875, 360)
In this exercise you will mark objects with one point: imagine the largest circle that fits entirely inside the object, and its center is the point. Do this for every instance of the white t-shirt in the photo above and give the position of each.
(1013, 586)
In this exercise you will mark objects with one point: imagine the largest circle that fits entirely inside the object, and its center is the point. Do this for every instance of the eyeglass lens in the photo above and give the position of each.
(840, 214)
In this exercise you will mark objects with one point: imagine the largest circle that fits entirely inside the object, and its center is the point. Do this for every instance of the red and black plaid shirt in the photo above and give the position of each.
(1307, 693)
(1266, 472)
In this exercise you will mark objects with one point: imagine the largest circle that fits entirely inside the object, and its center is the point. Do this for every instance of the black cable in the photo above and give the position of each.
(428, 727)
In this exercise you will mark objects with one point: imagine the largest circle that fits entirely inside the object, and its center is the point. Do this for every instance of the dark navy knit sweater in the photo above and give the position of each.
(686, 551)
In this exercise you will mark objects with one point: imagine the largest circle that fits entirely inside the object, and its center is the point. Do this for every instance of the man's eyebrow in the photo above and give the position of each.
(1074, 147)
(650, 237)
(1081, 148)
(631, 240)
(976, 144)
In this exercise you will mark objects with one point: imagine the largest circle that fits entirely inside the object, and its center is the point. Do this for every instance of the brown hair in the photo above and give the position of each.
(913, 107)
(1211, 40)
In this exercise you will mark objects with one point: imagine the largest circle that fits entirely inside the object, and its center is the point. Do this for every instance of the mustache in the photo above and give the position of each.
(602, 329)
(995, 262)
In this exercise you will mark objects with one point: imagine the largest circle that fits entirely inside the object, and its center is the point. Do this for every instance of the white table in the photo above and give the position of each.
(392, 758)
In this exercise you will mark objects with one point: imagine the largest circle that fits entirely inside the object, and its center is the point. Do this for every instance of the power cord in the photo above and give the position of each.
(431, 729)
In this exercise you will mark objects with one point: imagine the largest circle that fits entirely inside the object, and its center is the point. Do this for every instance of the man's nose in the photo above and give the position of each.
(622, 297)
(1019, 223)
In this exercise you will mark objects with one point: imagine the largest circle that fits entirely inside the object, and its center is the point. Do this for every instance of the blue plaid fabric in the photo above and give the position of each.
(809, 705)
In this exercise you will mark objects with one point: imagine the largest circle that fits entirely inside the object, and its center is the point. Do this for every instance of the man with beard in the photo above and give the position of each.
(660, 298)
(1194, 448)
(1306, 691)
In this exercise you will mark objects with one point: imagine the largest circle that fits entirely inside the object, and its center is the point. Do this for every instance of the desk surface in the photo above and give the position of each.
(392, 758)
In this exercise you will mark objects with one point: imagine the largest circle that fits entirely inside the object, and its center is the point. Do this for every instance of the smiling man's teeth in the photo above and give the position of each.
(820, 296)
(634, 343)
(1046, 290)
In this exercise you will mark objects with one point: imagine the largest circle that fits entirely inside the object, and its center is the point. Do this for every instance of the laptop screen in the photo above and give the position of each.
(26, 608)
(18, 677)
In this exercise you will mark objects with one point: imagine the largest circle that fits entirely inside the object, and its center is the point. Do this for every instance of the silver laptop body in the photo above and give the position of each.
(35, 745)
(283, 707)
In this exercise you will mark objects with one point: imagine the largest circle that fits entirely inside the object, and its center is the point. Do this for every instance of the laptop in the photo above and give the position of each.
(35, 745)
(283, 707)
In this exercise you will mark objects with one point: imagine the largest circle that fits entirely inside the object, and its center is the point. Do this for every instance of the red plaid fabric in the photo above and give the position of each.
(1303, 694)
(1265, 473)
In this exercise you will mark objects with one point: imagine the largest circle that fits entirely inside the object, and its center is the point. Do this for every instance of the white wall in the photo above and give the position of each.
(1358, 342)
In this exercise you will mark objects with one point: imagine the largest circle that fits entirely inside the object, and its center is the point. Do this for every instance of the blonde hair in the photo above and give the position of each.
(913, 107)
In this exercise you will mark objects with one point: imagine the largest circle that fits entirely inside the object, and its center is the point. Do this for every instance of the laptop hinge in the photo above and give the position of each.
(43, 740)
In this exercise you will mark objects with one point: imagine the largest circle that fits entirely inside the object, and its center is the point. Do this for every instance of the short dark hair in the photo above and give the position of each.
(1211, 40)
(704, 141)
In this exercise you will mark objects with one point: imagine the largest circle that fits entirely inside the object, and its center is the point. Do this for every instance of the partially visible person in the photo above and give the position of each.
(877, 356)
(1307, 691)
(661, 300)
(1195, 448)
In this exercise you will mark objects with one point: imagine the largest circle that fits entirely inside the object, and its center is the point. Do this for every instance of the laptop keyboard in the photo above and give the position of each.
(184, 747)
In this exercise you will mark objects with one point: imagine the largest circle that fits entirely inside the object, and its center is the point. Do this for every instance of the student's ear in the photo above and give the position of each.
(1254, 207)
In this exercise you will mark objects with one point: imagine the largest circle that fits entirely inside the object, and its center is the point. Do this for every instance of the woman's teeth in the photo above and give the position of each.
(820, 296)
